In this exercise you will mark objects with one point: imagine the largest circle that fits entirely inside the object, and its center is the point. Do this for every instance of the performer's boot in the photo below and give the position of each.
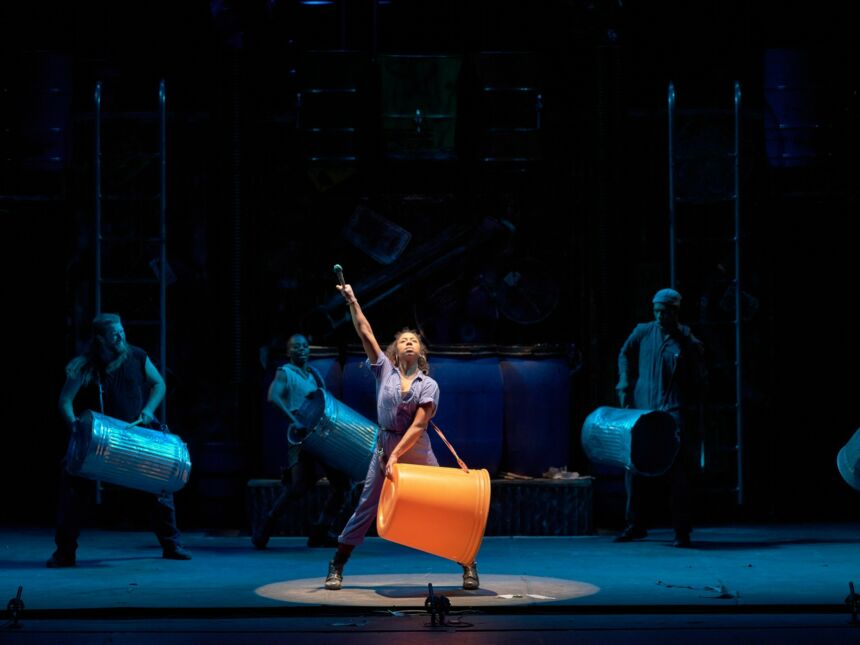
(470, 576)
(334, 579)
(175, 552)
(61, 559)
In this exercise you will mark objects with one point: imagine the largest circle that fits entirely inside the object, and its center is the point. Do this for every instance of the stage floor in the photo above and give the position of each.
(532, 583)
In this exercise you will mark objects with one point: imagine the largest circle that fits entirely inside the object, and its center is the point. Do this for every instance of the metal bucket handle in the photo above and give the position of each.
(297, 433)
(155, 423)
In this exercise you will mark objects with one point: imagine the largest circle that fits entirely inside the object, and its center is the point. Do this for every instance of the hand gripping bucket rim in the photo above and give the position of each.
(442, 511)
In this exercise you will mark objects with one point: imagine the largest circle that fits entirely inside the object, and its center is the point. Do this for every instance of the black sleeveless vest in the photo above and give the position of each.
(124, 390)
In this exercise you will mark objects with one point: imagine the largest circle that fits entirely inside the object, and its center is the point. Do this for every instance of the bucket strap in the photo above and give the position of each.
(450, 447)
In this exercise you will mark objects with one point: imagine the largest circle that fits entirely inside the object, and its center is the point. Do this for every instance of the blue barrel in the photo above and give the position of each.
(275, 424)
(471, 405)
(326, 360)
(536, 382)
(359, 384)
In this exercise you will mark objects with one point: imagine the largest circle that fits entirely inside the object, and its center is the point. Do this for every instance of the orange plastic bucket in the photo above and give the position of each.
(437, 510)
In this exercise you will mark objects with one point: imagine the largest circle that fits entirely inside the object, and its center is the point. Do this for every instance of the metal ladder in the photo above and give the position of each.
(717, 207)
(131, 270)
(326, 82)
(327, 105)
(511, 107)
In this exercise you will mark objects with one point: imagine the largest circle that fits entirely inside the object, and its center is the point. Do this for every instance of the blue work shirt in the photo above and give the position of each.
(661, 371)
(395, 410)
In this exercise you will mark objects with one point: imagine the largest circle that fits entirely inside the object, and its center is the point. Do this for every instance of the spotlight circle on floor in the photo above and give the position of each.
(410, 590)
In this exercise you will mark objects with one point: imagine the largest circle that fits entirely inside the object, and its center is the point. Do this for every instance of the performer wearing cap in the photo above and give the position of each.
(293, 381)
(406, 400)
(119, 380)
(661, 367)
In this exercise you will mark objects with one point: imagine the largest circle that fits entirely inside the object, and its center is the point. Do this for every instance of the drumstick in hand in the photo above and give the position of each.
(338, 271)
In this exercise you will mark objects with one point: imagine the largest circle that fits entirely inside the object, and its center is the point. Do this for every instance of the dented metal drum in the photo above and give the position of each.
(643, 441)
(848, 461)
(336, 434)
(116, 452)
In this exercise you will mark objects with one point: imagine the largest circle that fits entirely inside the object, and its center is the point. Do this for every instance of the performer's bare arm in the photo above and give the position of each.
(277, 390)
(67, 396)
(361, 324)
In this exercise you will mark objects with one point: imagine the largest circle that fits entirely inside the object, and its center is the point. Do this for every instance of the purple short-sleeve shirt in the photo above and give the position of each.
(394, 409)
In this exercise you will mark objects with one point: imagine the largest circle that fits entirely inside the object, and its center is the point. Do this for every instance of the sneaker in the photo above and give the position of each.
(682, 541)
(631, 533)
(470, 577)
(334, 579)
(176, 553)
(59, 560)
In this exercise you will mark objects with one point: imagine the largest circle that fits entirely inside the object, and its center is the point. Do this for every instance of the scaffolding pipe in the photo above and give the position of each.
(671, 128)
(738, 312)
(162, 286)
(98, 205)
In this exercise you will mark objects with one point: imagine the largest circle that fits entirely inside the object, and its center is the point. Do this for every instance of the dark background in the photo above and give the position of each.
(254, 228)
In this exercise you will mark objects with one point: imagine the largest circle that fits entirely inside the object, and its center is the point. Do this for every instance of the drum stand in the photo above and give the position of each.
(15, 607)
(437, 606)
(853, 602)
